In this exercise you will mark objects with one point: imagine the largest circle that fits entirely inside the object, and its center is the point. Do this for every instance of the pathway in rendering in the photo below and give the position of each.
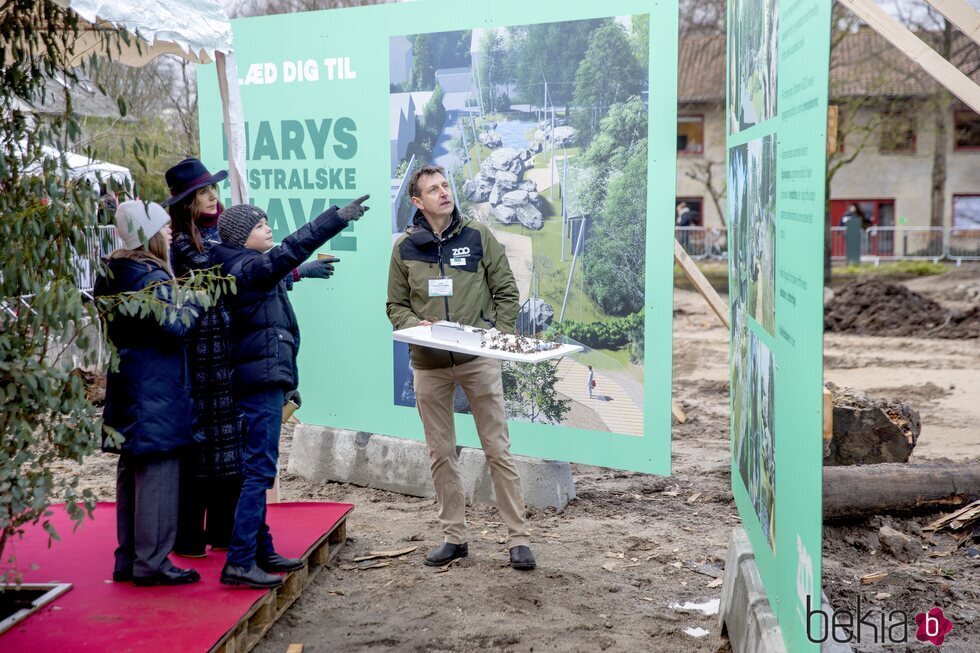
(609, 400)
(542, 176)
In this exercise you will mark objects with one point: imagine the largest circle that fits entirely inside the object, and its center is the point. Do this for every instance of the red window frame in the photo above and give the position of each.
(952, 216)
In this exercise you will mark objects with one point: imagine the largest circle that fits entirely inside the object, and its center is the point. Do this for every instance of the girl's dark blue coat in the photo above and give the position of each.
(148, 398)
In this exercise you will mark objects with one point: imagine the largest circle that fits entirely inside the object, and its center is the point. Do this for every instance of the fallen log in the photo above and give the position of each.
(865, 490)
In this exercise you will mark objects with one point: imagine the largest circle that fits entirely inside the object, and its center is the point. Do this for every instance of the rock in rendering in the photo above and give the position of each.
(506, 180)
(495, 195)
(515, 206)
(535, 316)
(506, 158)
(515, 198)
(530, 217)
(504, 214)
(491, 139)
(564, 136)
(501, 183)
(478, 189)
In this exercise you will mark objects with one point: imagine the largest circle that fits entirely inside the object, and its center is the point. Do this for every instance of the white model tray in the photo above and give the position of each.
(422, 335)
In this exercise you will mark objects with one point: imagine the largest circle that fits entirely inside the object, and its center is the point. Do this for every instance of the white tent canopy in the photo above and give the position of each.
(197, 30)
(96, 172)
(193, 29)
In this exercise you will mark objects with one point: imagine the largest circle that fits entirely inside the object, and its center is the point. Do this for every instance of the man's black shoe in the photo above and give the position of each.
(251, 577)
(276, 562)
(522, 558)
(172, 576)
(445, 553)
(122, 576)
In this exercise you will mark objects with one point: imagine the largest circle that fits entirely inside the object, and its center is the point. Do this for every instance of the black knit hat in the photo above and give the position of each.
(237, 222)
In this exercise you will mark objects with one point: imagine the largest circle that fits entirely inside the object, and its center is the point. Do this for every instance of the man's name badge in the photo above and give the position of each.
(441, 287)
(457, 262)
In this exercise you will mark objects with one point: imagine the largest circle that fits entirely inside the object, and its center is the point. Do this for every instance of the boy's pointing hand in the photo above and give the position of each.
(354, 210)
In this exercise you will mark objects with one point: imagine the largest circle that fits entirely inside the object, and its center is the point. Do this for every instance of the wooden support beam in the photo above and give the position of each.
(960, 14)
(720, 309)
(701, 284)
(914, 48)
(828, 415)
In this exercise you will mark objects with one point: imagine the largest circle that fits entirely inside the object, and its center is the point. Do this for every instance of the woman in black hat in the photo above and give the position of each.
(211, 474)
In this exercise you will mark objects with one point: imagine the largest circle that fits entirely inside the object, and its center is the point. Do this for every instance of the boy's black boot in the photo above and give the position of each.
(276, 562)
(250, 577)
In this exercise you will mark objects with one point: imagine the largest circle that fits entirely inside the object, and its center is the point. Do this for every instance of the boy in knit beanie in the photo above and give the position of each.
(265, 341)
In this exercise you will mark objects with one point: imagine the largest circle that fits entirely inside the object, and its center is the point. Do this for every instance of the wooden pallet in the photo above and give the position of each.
(252, 627)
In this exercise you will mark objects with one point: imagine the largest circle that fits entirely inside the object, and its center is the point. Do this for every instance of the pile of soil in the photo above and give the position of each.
(874, 307)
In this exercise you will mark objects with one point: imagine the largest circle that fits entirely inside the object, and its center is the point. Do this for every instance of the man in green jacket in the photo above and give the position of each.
(445, 267)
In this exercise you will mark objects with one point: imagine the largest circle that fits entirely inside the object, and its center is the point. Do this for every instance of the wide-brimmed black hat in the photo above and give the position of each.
(187, 176)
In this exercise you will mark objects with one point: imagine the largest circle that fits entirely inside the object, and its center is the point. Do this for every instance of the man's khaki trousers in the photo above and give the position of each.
(481, 381)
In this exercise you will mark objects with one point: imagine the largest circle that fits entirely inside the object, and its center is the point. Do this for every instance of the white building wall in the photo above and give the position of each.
(904, 178)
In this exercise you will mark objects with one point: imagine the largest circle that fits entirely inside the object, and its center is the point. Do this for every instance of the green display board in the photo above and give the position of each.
(778, 61)
(554, 128)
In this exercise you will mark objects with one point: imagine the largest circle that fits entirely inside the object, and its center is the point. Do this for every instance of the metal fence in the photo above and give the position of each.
(703, 242)
(963, 244)
(877, 243)
(904, 243)
(98, 242)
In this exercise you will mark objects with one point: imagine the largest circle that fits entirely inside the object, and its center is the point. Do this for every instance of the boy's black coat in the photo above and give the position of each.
(264, 332)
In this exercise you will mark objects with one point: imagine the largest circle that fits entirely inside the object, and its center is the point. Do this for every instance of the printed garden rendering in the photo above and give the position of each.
(543, 131)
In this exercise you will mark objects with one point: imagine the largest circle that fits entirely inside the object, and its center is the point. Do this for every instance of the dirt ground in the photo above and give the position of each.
(613, 561)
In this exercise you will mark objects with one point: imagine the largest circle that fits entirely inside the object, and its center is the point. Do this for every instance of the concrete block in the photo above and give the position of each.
(745, 612)
(323, 454)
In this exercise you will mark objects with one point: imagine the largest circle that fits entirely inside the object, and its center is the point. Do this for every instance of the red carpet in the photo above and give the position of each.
(99, 615)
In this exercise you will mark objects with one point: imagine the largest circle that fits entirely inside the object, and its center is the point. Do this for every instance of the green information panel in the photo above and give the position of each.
(778, 60)
(554, 129)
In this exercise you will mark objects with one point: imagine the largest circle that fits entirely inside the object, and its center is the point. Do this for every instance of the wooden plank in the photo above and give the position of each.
(295, 648)
(828, 415)
(915, 49)
(264, 616)
(677, 412)
(264, 613)
(960, 14)
(701, 284)
(720, 309)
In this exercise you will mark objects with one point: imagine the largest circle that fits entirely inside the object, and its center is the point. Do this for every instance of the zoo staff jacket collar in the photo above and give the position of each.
(484, 290)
